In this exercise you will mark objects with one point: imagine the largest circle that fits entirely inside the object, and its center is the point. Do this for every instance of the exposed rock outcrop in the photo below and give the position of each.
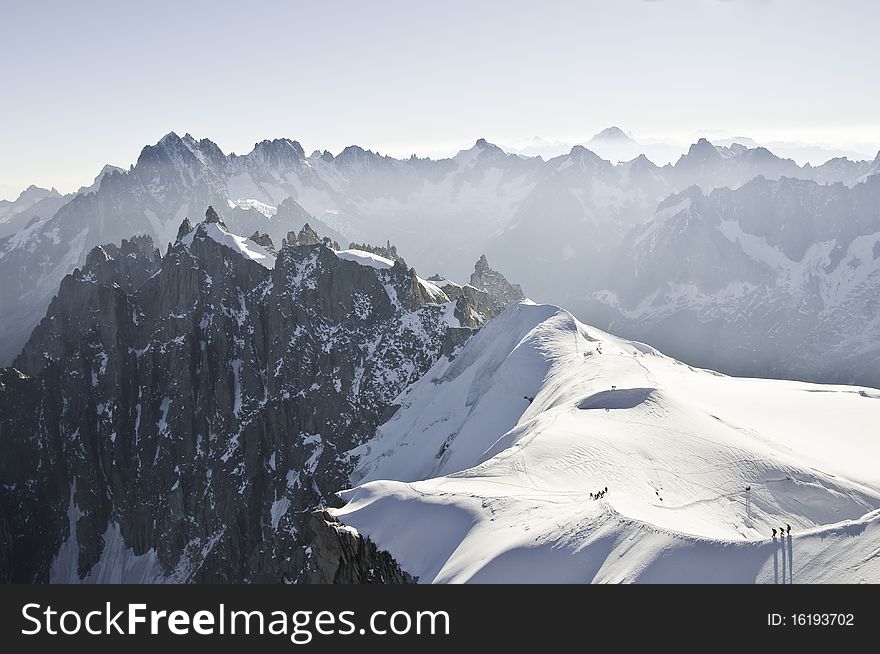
(488, 294)
(187, 412)
(263, 240)
(343, 556)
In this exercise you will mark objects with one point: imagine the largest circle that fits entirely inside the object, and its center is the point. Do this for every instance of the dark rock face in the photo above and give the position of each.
(192, 410)
(34, 477)
(501, 292)
(488, 294)
(184, 229)
(212, 217)
(308, 236)
(263, 240)
(342, 556)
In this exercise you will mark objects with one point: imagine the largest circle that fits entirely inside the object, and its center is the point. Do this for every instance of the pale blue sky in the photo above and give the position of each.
(91, 82)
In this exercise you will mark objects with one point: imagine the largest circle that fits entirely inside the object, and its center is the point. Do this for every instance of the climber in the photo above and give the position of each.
(774, 533)
(788, 529)
(591, 495)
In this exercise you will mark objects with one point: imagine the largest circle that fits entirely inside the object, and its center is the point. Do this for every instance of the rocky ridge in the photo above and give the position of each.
(179, 418)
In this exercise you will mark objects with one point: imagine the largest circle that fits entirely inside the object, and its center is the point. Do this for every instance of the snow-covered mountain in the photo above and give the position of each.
(25, 200)
(171, 179)
(802, 152)
(177, 417)
(489, 471)
(190, 417)
(774, 278)
(615, 144)
(31, 202)
(555, 225)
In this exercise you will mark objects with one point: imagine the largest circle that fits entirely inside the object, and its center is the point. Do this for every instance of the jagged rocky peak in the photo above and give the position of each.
(34, 193)
(263, 240)
(481, 267)
(172, 145)
(354, 159)
(281, 153)
(97, 255)
(612, 133)
(588, 159)
(703, 149)
(495, 283)
(642, 163)
(191, 411)
(307, 236)
(487, 295)
(212, 217)
(388, 250)
(92, 306)
(487, 147)
(481, 153)
(107, 172)
(202, 240)
(184, 229)
(130, 255)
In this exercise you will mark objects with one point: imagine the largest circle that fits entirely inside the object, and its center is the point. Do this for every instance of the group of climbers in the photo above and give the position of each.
(783, 531)
(599, 494)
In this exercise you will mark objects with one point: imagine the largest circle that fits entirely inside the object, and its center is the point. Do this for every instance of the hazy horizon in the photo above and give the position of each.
(91, 85)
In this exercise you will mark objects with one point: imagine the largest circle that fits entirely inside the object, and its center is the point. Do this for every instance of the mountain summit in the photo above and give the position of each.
(612, 134)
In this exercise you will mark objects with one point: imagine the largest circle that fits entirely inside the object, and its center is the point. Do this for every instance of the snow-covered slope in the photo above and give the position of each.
(245, 247)
(485, 473)
(366, 259)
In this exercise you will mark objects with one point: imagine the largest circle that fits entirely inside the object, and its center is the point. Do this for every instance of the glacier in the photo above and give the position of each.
(486, 472)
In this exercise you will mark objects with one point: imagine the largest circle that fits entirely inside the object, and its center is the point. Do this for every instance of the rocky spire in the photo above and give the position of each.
(307, 236)
(496, 293)
(481, 267)
(212, 217)
(263, 240)
(185, 228)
